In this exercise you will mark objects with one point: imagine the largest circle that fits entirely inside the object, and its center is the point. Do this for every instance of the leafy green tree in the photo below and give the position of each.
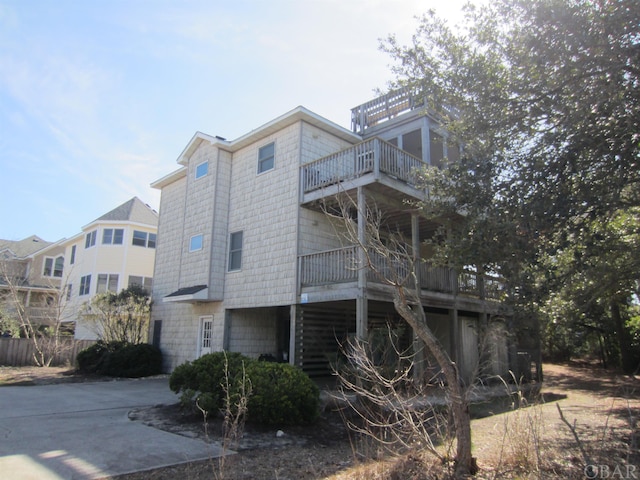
(120, 317)
(544, 96)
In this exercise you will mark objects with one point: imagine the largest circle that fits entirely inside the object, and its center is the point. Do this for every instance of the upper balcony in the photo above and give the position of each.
(371, 161)
(382, 108)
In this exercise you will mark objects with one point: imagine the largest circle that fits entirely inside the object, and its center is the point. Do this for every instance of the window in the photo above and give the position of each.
(144, 239)
(85, 285)
(266, 156)
(53, 267)
(90, 239)
(73, 255)
(144, 282)
(69, 291)
(195, 243)
(235, 251)
(202, 170)
(107, 282)
(112, 236)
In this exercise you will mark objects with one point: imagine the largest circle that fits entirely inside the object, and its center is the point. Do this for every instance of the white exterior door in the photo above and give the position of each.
(205, 343)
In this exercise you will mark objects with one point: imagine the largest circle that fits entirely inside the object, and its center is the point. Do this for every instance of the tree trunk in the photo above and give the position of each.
(415, 317)
(624, 339)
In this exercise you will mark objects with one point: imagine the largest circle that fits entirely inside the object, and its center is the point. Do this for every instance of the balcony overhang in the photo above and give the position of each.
(197, 293)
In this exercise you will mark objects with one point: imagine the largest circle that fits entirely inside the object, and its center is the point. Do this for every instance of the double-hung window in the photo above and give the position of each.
(235, 251)
(107, 282)
(53, 267)
(90, 239)
(112, 236)
(85, 285)
(266, 157)
(144, 282)
(144, 239)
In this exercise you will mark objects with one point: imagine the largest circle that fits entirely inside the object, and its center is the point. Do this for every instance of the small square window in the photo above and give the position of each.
(266, 158)
(195, 243)
(202, 169)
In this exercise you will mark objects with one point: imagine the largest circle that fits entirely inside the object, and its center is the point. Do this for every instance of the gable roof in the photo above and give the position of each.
(298, 114)
(23, 248)
(135, 210)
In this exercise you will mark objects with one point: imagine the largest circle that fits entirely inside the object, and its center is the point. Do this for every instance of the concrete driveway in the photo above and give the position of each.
(82, 431)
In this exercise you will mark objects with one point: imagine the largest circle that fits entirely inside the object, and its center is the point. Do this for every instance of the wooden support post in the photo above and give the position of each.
(293, 321)
(418, 345)
(362, 313)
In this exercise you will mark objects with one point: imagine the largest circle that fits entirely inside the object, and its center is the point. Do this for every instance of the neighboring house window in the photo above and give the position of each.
(69, 291)
(107, 283)
(202, 170)
(266, 156)
(235, 251)
(53, 267)
(144, 239)
(85, 285)
(90, 239)
(144, 282)
(112, 236)
(195, 243)
(73, 255)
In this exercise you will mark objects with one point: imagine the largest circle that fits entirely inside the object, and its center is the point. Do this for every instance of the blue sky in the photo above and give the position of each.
(99, 97)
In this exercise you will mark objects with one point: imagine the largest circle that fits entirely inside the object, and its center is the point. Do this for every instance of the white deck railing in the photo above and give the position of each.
(382, 108)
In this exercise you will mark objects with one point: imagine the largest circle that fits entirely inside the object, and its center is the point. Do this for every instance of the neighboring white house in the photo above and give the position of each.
(248, 261)
(109, 254)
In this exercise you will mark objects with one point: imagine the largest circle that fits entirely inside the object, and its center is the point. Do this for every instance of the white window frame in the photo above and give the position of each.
(85, 285)
(107, 285)
(197, 247)
(52, 267)
(202, 170)
(90, 239)
(235, 251)
(263, 159)
(144, 282)
(149, 240)
(113, 236)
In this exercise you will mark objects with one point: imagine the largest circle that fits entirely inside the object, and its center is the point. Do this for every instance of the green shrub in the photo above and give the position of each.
(203, 379)
(120, 359)
(91, 359)
(280, 394)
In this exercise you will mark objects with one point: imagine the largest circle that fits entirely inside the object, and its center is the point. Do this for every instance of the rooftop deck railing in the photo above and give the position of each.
(341, 266)
(382, 108)
(371, 156)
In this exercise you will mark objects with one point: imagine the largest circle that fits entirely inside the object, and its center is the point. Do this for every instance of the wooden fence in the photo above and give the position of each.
(18, 352)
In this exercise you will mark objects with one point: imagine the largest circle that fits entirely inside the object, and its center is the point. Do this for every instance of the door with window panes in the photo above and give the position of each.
(206, 335)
